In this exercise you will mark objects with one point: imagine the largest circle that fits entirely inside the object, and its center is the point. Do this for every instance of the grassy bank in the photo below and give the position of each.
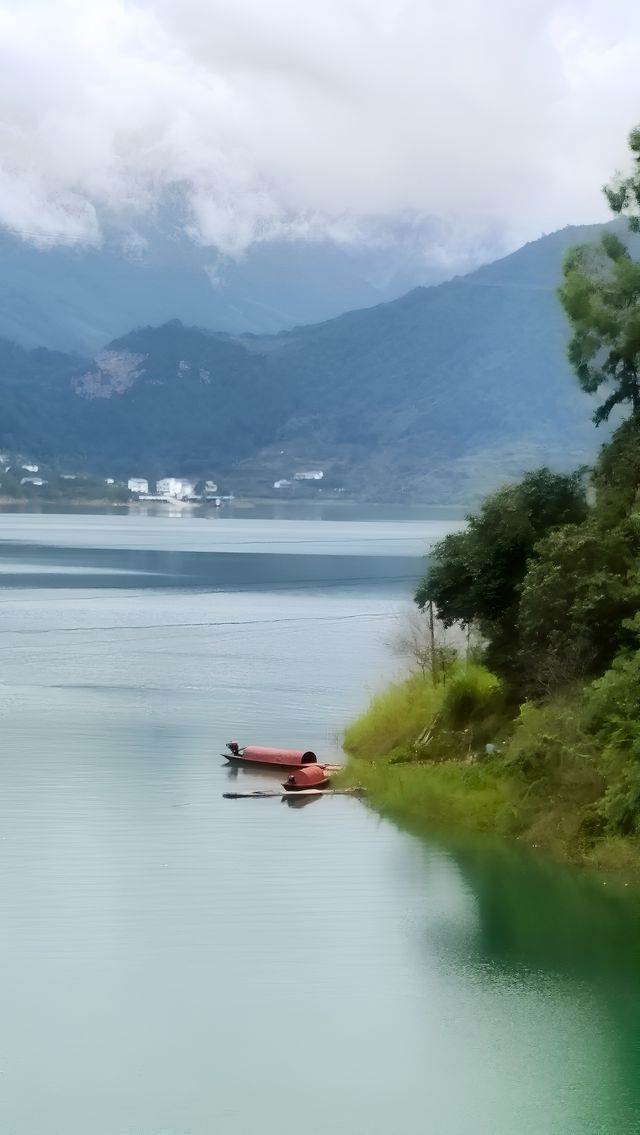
(421, 752)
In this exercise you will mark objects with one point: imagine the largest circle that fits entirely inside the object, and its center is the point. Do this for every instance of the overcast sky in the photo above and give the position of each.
(301, 116)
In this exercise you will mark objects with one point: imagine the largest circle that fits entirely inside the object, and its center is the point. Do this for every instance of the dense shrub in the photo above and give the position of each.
(470, 694)
(613, 704)
(547, 738)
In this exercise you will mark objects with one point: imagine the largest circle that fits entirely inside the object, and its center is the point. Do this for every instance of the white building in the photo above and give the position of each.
(37, 481)
(309, 475)
(175, 487)
(282, 484)
(30, 468)
(210, 488)
(138, 485)
(109, 481)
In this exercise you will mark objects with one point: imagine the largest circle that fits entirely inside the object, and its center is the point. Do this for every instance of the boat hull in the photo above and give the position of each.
(261, 762)
(309, 777)
(307, 787)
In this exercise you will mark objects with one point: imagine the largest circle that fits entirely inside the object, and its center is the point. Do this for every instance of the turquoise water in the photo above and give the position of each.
(173, 963)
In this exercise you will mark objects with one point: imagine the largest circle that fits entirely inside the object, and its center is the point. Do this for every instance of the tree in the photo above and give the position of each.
(583, 582)
(616, 476)
(576, 595)
(475, 576)
(623, 194)
(421, 644)
(601, 296)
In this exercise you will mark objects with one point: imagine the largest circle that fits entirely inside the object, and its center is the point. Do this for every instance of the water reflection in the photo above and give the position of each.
(293, 800)
(38, 565)
(321, 510)
(535, 915)
(507, 919)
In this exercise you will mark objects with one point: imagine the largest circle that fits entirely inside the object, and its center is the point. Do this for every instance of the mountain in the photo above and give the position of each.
(75, 299)
(437, 396)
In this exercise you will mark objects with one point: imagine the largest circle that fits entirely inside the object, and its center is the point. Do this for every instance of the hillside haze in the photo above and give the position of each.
(439, 395)
(78, 299)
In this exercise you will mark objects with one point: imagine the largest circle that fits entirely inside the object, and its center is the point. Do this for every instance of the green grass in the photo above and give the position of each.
(471, 696)
(449, 793)
(543, 786)
(467, 701)
(403, 744)
(396, 717)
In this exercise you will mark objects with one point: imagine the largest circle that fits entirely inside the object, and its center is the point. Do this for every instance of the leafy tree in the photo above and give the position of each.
(601, 296)
(624, 194)
(578, 590)
(475, 576)
(616, 476)
(583, 581)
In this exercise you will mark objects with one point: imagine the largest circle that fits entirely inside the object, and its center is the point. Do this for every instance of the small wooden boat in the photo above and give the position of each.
(301, 794)
(310, 776)
(259, 755)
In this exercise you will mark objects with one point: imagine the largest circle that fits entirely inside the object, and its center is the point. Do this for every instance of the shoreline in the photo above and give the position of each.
(244, 504)
(449, 784)
(455, 797)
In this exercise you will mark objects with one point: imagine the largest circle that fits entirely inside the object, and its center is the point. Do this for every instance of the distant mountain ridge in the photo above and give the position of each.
(75, 299)
(437, 396)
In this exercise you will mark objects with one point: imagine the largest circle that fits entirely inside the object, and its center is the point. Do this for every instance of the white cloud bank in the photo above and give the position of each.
(303, 116)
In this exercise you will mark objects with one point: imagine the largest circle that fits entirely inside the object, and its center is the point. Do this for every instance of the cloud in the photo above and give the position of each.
(311, 117)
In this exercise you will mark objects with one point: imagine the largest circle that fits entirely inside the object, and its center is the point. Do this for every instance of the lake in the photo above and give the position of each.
(173, 963)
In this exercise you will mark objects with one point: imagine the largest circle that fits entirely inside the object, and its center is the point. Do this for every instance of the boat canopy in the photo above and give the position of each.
(279, 756)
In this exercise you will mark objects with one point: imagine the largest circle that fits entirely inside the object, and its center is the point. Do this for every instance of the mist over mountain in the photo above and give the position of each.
(74, 298)
(437, 395)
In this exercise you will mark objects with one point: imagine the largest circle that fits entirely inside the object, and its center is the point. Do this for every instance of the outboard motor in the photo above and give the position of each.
(233, 748)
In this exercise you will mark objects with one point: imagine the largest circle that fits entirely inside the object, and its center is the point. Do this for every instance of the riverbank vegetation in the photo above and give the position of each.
(534, 733)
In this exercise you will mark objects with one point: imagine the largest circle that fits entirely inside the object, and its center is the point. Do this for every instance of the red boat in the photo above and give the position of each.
(310, 776)
(257, 755)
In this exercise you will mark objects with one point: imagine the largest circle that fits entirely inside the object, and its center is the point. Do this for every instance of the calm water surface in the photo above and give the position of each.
(173, 963)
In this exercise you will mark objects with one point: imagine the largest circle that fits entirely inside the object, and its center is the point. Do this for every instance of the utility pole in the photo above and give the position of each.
(432, 636)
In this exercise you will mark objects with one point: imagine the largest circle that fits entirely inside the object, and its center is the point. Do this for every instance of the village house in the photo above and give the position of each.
(137, 485)
(175, 487)
(309, 475)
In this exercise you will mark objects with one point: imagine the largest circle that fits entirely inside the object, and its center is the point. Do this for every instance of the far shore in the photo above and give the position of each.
(248, 503)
